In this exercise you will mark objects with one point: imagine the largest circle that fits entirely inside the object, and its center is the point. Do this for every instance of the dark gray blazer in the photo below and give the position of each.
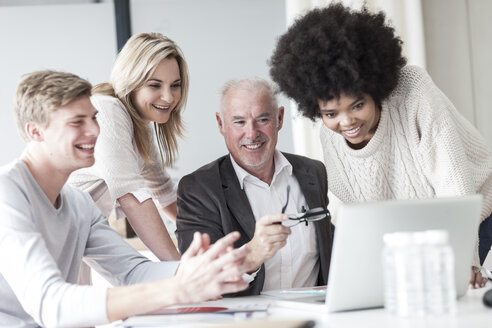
(210, 200)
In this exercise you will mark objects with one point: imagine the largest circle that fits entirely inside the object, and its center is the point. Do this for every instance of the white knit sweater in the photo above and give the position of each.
(423, 147)
(119, 169)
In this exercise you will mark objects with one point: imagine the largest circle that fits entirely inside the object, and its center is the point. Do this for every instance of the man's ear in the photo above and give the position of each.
(220, 123)
(280, 118)
(33, 131)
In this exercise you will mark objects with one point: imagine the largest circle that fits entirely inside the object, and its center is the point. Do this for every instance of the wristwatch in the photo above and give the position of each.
(476, 269)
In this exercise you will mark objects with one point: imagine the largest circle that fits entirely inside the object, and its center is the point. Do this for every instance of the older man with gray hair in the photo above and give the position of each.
(262, 193)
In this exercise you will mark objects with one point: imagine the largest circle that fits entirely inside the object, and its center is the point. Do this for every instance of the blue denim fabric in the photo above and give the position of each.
(485, 238)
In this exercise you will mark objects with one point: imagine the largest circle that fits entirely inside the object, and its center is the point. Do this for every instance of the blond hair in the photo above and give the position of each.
(43, 92)
(134, 65)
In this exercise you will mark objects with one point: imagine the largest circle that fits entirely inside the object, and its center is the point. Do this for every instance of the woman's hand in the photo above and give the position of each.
(476, 279)
(147, 223)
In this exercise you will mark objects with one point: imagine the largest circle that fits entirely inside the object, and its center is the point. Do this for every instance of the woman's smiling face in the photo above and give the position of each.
(355, 118)
(158, 96)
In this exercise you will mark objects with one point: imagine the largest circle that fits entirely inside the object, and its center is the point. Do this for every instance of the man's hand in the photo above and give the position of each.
(270, 236)
(206, 272)
(477, 280)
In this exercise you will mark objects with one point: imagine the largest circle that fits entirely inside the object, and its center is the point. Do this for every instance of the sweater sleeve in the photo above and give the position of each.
(117, 160)
(453, 154)
(158, 180)
(32, 273)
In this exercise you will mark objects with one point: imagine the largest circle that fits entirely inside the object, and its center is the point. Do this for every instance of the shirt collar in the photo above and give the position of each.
(281, 163)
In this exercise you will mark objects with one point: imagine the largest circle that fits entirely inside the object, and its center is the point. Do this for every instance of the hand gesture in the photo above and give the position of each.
(207, 272)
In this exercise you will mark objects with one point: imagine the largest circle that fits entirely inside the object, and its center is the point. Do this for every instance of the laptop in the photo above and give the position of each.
(355, 280)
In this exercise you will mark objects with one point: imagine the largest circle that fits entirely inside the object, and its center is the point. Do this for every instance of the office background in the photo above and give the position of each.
(224, 39)
(220, 39)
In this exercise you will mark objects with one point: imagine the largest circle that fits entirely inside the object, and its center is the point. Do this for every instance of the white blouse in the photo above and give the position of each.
(119, 169)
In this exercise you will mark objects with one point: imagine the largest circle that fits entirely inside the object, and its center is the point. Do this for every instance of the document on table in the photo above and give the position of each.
(254, 323)
(193, 315)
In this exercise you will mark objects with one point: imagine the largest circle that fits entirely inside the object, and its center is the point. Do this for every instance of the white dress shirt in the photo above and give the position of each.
(297, 263)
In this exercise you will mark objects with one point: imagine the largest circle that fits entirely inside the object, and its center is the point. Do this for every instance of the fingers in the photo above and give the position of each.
(278, 245)
(477, 281)
(205, 244)
(271, 249)
(215, 298)
(221, 245)
(231, 259)
(228, 267)
(206, 240)
(480, 281)
(224, 274)
(233, 287)
(267, 243)
(228, 249)
(277, 229)
(471, 283)
(272, 218)
(266, 231)
(271, 239)
(194, 247)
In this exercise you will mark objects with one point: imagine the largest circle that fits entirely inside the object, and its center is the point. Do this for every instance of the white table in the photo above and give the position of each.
(471, 313)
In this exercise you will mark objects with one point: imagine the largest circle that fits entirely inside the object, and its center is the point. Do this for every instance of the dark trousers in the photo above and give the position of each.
(485, 238)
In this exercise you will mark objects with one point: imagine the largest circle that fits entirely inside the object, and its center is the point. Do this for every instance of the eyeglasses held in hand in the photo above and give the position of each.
(311, 215)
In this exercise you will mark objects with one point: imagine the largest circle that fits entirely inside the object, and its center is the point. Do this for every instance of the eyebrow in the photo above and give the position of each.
(238, 117)
(82, 115)
(353, 103)
(160, 81)
(268, 114)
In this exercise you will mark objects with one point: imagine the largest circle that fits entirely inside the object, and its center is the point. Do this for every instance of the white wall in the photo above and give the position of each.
(78, 38)
(458, 36)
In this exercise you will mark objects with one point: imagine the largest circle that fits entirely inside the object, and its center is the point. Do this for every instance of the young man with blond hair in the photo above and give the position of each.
(47, 227)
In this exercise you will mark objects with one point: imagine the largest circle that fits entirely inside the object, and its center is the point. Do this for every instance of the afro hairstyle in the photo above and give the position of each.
(336, 50)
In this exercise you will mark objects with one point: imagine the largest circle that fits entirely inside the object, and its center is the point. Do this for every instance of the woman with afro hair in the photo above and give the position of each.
(388, 132)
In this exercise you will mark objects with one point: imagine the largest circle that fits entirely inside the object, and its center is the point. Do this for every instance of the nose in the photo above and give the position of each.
(251, 131)
(93, 129)
(167, 95)
(347, 120)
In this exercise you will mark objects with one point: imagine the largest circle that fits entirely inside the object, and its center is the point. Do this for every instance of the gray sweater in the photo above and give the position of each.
(41, 249)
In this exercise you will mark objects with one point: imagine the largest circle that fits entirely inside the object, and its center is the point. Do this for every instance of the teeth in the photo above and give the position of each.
(161, 107)
(87, 146)
(253, 146)
(353, 130)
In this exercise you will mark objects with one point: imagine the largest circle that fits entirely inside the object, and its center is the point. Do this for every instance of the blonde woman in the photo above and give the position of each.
(139, 112)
